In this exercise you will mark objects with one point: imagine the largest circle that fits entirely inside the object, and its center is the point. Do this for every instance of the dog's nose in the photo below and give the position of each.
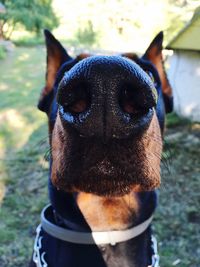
(106, 97)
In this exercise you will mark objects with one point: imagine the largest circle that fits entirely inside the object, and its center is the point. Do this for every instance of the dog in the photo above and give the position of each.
(106, 117)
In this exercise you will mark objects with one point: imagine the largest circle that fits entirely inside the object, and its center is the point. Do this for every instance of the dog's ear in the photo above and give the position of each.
(56, 56)
(154, 55)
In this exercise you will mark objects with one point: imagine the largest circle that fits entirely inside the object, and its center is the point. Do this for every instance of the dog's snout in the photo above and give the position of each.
(107, 97)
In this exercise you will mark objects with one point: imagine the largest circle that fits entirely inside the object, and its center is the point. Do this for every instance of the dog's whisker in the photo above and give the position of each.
(43, 141)
(47, 155)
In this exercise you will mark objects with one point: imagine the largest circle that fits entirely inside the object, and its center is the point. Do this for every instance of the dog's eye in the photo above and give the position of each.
(77, 100)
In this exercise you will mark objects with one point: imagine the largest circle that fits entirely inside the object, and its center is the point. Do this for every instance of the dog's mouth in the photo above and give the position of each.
(105, 179)
(112, 170)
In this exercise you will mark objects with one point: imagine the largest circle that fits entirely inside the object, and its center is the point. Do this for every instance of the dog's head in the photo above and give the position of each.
(106, 118)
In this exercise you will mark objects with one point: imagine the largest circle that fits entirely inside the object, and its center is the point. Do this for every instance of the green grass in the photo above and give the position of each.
(29, 41)
(79, 40)
(173, 120)
(23, 142)
(24, 172)
(2, 52)
(178, 217)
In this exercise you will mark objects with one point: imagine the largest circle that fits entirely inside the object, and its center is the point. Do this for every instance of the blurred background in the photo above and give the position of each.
(111, 25)
(102, 26)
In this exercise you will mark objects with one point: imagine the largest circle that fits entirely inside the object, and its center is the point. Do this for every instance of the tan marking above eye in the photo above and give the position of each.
(131, 56)
(82, 56)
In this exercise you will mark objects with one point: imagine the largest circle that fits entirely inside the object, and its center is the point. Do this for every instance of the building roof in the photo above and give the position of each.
(2, 8)
(189, 37)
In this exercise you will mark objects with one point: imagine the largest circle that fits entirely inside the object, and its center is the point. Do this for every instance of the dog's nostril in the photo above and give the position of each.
(76, 100)
(129, 101)
(77, 106)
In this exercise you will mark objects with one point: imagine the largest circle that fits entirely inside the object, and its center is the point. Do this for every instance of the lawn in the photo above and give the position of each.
(23, 142)
(24, 170)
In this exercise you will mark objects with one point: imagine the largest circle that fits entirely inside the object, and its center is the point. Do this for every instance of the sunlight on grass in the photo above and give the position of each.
(22, 33)
(15, 128)
(13, 118)
(24, 57)
(3, 86)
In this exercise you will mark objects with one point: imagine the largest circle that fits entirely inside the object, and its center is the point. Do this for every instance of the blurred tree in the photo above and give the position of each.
(33, 15)
(178, 12)
(86, 35)
(121, 23)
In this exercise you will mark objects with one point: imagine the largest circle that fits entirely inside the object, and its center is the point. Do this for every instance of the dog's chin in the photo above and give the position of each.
(102, 182)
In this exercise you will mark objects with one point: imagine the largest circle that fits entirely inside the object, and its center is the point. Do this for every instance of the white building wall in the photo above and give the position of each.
(184, 76)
